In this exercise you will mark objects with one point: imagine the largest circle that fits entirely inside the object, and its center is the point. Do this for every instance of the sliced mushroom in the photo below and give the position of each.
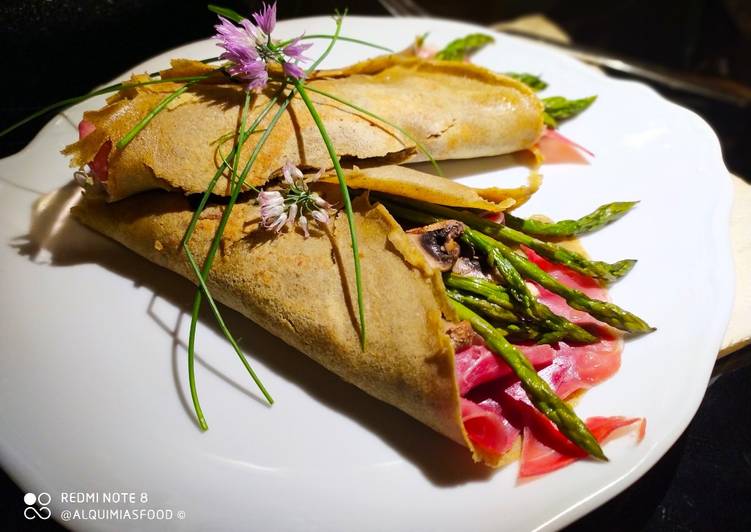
(462, 335)
(438, 243)
(468, 267)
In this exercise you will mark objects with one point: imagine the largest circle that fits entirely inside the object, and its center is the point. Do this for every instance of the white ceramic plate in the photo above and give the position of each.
(94, 384)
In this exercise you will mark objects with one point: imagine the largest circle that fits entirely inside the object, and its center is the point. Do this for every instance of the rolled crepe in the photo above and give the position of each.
(302, 290)
(456, 110)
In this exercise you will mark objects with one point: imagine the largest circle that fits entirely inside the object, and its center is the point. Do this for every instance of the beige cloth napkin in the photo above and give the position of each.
(738, 333)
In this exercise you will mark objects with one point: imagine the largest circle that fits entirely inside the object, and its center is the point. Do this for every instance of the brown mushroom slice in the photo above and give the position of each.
(439, 243)
(462, 335)
(468, 267)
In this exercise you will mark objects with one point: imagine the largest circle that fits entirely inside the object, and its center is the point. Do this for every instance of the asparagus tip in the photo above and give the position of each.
(622, 267)
(601, 456)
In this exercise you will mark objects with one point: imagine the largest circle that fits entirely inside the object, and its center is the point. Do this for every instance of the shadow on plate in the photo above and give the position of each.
(55, 239)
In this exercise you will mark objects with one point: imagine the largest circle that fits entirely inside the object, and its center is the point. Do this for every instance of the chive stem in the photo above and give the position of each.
(135, 130)
(104, 90)
(347, 204)
(340, 176)
(340, 38)
(204, 272)
(327, 51)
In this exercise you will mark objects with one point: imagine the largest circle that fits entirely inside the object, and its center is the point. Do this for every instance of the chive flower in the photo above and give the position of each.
(293, 204)
(249, 48)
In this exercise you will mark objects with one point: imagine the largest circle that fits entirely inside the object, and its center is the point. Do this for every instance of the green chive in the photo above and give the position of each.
(203, 274)
(135, 130)
(105, 90)
(340, 176)
(347, 203)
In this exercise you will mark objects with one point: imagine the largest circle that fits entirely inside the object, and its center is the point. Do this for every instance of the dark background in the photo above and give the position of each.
(58, 49)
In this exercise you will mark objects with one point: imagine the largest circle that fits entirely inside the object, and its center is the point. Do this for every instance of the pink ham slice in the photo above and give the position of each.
(557, 149)
(578, 367)
(85, 128)
(538, 459)
(492, 391)
(99, 166)
(486, 426)
(477, 364)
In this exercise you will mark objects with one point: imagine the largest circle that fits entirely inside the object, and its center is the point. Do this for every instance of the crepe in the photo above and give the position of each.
(413, 184)
(455, 110)
(302, 291)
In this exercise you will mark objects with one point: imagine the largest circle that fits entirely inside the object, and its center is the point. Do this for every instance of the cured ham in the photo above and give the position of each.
(557, 149)
(85, 128)
(477, 364)
(495, 407)
(99, 164)
(487, 427)
(538, 459)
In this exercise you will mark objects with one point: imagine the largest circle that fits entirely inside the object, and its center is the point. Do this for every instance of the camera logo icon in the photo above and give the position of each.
(42, 500)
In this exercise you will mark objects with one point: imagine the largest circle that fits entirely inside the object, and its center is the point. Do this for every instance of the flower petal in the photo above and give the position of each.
(266, 18)
(304, 224)
(295, 49)
(320, 216)
(292, 214)
(293, 71)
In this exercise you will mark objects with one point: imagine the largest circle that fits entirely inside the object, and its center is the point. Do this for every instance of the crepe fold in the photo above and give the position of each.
(302, 291)
(455, 110)
(408, 183)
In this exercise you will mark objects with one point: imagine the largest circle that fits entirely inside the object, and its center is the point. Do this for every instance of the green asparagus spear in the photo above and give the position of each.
(524, 301)
(487, 289)
(530, 80)
(560, 328)
(520, 293)
(460, 49)
(602, 271)
(485, 307)
(512, 328)
(602, 310)
(560, 108)
(538, 391)
(603, 215)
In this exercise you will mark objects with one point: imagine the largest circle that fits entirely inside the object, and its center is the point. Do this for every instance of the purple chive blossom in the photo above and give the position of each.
(249, 48)
(294, 52)
(291, 205)
(266, 18)
(295, 49)
(240, 44)
(293, 71)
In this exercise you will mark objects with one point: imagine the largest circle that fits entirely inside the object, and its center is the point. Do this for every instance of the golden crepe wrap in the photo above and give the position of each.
(456, 110)
(302, 291)
(409, 183)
